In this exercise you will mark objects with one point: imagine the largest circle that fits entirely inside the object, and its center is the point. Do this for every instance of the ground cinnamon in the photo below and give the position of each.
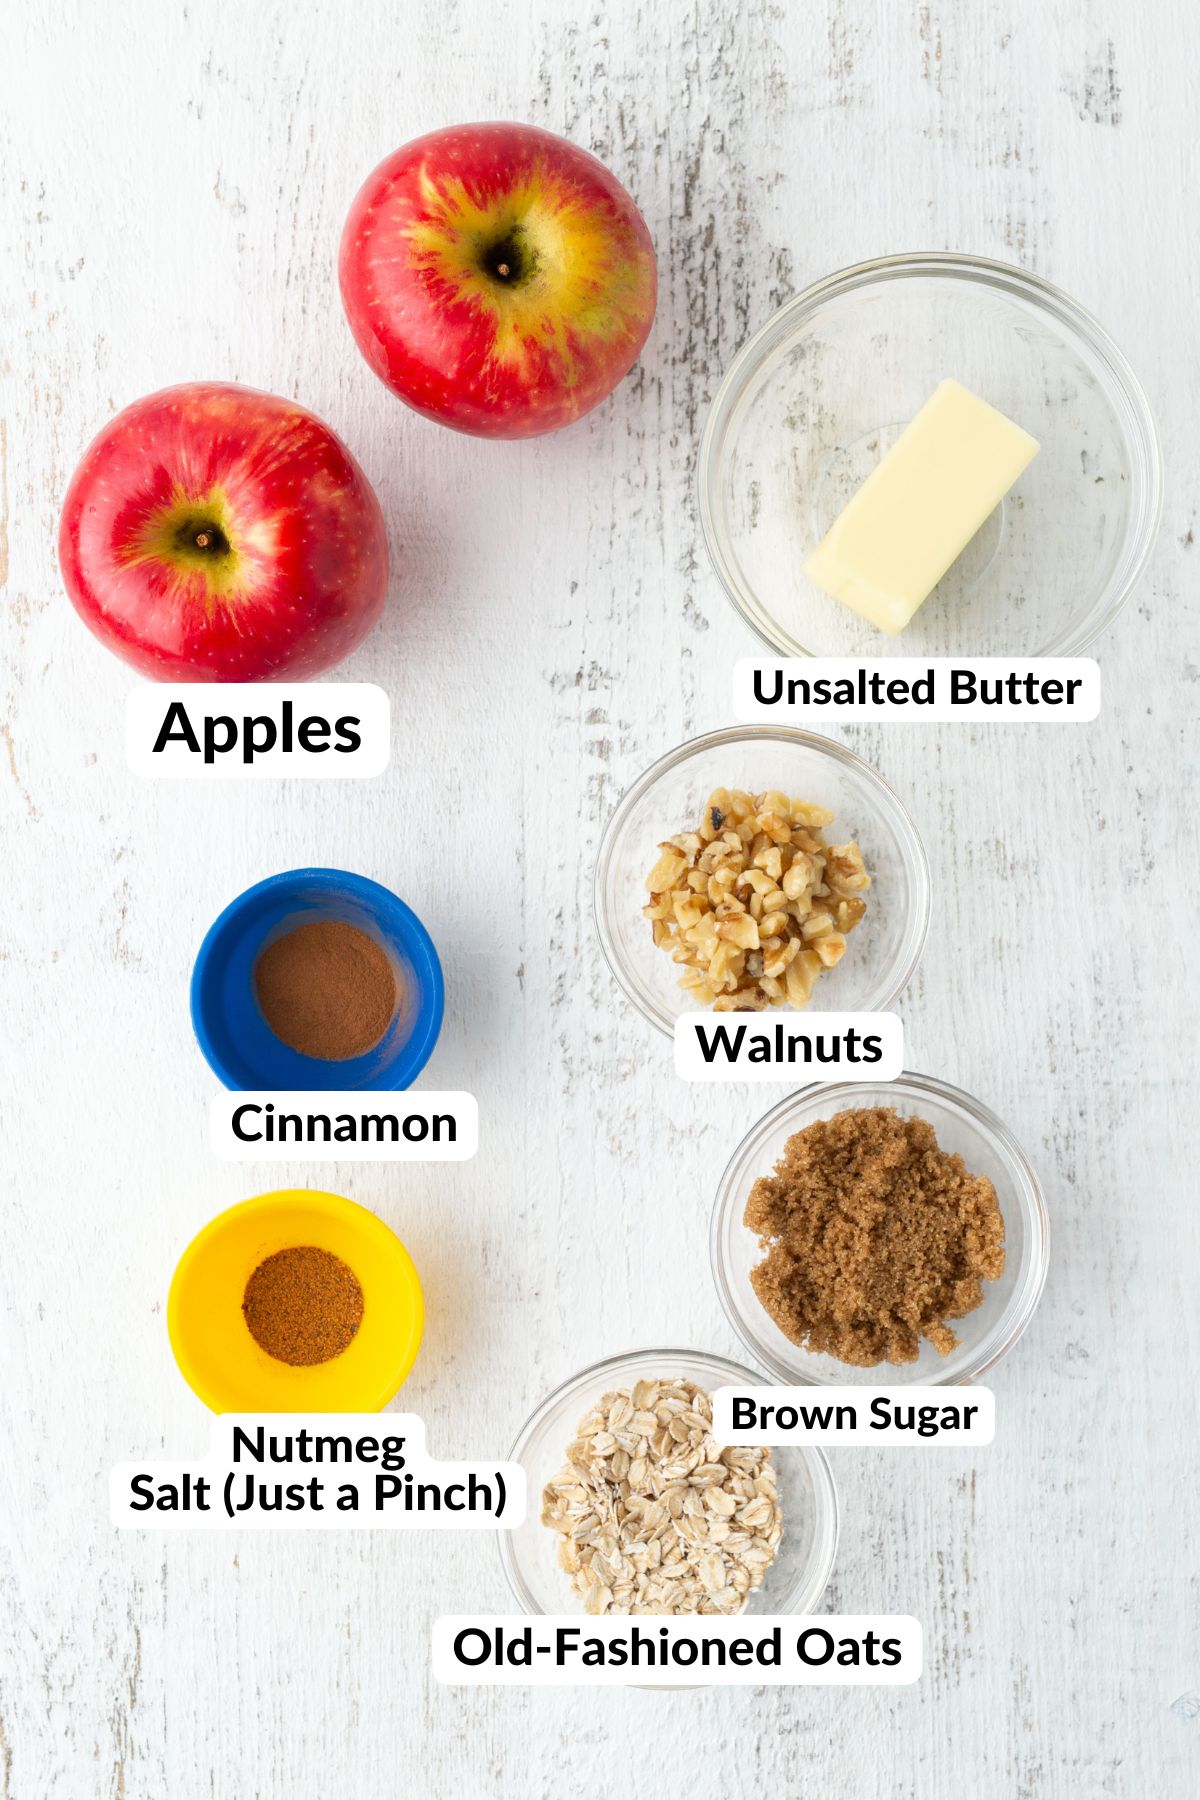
(873, 1238)
(303, 1305)
(327, 989)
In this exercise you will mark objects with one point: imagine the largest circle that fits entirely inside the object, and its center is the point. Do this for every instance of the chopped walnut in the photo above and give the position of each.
(754, 903)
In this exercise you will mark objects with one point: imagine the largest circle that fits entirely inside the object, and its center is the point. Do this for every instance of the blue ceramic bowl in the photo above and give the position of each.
(240, 1046)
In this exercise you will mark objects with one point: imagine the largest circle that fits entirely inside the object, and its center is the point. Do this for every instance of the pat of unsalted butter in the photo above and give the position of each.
(920, 506)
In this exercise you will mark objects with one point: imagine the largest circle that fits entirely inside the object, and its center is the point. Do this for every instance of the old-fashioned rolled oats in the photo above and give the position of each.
(754, 903)
(652, 1516)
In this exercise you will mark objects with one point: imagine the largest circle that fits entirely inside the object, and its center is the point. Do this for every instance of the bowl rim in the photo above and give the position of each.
(730, 734)
(826, 1506)
(1126, 393)
(281, 1201)
(1031, 1199)
(418, 1047)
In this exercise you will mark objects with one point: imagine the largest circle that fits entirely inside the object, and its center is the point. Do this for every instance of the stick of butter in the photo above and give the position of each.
(920, 507)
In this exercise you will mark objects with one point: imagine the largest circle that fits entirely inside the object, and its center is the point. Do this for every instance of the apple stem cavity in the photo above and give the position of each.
(204, 536)
(509, 261)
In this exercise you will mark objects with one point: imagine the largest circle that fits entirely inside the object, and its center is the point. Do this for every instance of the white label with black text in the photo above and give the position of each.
(360, 1126)
(258, 731)
(751, 1650)
(318, 1471)
(813, 1046)
(756, 1417)
(819, 691)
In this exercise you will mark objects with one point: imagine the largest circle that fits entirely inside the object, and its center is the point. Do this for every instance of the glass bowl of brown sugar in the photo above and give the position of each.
(832, 1263)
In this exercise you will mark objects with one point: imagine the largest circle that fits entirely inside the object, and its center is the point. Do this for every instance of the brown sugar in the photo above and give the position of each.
(327, 989)
(303, 1305)
(873, 1238)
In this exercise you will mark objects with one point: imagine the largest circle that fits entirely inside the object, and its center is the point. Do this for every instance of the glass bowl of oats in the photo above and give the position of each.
(757, 868)
(686, 1529)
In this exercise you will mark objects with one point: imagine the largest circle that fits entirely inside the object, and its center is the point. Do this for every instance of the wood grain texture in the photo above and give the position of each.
(172, 183)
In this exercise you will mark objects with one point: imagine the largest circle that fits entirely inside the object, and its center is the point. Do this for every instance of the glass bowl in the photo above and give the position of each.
(881, 952)
(812, 402)
(986, 1146)
(796, 1579)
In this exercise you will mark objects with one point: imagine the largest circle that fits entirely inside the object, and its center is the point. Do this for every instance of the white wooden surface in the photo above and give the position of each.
(173, 179)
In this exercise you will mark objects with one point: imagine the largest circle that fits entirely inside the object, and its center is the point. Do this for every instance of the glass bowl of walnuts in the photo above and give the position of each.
(760, 868)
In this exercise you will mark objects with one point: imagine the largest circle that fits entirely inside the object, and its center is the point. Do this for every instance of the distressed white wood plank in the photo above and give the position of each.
(172, 184)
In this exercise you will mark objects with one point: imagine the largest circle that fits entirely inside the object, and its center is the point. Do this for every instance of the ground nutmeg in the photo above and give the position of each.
(303, 1305)
(873, 1237)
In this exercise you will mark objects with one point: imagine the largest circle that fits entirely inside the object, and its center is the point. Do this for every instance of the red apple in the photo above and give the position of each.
(214, 533)
(499, 279)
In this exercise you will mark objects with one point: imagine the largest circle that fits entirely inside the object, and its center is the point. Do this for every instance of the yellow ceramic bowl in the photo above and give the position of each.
(220, 1360)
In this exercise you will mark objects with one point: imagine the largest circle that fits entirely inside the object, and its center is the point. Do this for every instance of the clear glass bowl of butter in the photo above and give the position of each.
(819, 395)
